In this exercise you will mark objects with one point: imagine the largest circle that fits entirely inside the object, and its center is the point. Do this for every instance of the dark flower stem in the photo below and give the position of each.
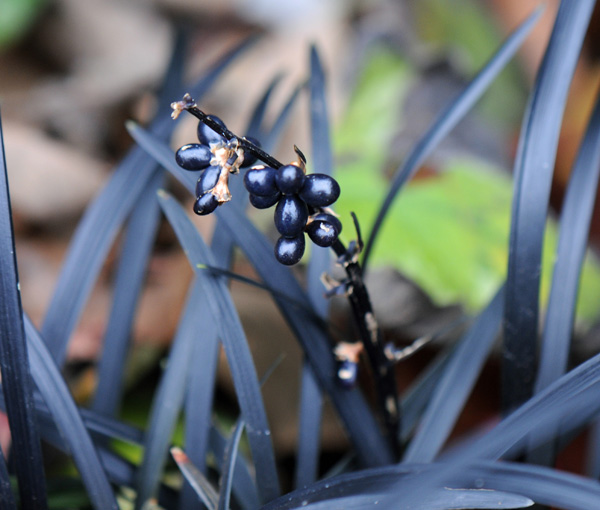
(358, 296)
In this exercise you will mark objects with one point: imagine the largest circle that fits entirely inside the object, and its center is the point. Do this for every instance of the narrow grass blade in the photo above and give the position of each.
(101, 221)
(447, 121)
(236, 349)
(274, 134)
(575, 219)
(256, 119)
(228, 466)
(199, 397)
(66, 416)
(173, 78)
(14, 363)
(137, 247)
(244, 488)
(168, 400)
(533, 176)
(196, 479)
(309, 429)
(453, 389)
(352, 408)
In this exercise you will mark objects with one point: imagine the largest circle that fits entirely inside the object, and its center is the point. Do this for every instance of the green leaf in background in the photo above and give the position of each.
(16, 17)
(449, 231)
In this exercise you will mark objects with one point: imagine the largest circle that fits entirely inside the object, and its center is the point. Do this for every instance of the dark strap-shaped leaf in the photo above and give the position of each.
(228, 469)
(66, 416)
(137, 247)
(235, 345)
(454, 387)
(533, 177)
(446, 122)
(14, 363)
(168, 400)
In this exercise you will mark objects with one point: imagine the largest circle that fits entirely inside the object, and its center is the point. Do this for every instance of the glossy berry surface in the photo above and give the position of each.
(322, 233)
(205, 204)
(290, 179)
(250, 159)
(329, 218)
(206, 135)
(207, 180)
(347, 373)
(320, 190)
(289, 250)
(193, 156)
(264, 202)
(261, 181)
(291, 214)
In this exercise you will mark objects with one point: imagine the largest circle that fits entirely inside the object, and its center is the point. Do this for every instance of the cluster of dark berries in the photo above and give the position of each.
(218, 157)
(300, 200)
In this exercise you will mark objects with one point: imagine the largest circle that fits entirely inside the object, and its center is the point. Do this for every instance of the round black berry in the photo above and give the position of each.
(206, 135)
(290, 179)
(322, 233)
(320, 190)
(291, 214)
(205, 204)
(264, 202)
(250, 159)
(347, 373)
(261, 181)
(329, 218)
(207, 180)
(193, 156)
(289, 250)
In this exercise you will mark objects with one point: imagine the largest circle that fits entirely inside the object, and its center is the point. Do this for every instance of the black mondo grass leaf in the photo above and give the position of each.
(199, 483)
(447, 120)
(101, 221)
(533, 175)
(169, 397)
(14, 365)
(236, 349)
(65, 414)
(458, 378)
(353, 410)
(139, 239)
(574, 225)
(228, 468)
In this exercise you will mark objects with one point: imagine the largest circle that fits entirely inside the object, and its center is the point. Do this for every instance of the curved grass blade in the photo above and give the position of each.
(174, 74)
(66, 416)
(309, 429)
(575, 221)
(169, 398)
(256, 119)
(272, 137)
(447, 121)
(196, 479)
(236, 349)
(139, 239)
(101, 221)
(453, 389)
(14, 364)
(533, 176)
(229, 465)
(355, 414)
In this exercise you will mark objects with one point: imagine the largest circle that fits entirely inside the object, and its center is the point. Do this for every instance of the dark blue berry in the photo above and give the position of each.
(320, 190)
(206, 135)
(205, 204)
(250, 159)
(329, 218)
(261, 181)
(207, 180)
(347, 373)
(290, 179)
(264, 202)
(289, 250)
(291, 214)
(193, 156)
(322, 233)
